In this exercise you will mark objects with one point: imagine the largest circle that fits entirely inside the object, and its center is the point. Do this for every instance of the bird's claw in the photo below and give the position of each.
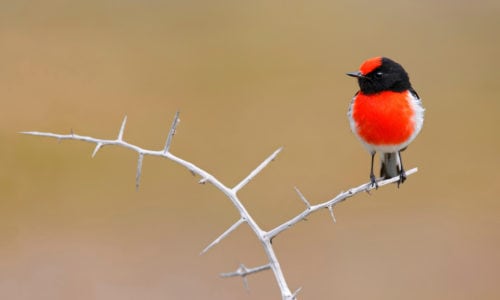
(373, 181)
(402, 177)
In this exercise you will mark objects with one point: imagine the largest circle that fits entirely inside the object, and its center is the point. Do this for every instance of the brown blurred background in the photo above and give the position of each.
(248, 77)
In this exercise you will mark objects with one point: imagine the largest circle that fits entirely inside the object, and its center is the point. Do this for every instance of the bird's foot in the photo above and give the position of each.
(402, 177)
(373, 181)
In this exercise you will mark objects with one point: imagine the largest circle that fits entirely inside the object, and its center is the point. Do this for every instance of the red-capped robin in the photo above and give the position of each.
(386, 114)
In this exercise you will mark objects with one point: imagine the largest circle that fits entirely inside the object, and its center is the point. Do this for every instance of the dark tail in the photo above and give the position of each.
(391, 165)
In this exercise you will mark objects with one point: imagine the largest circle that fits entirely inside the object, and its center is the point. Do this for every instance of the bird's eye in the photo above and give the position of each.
(379, 75)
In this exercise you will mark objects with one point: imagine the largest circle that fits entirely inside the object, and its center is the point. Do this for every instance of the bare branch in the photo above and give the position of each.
(244, 271)
(332, 202)
(223, 235)
(264, 237)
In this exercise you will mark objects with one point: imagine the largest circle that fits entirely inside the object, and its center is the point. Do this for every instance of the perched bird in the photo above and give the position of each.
(386, 114)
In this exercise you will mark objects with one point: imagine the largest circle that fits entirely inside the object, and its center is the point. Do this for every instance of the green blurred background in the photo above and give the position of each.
(248, 77)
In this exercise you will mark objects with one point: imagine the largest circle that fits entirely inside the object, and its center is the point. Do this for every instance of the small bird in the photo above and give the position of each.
(386, 114)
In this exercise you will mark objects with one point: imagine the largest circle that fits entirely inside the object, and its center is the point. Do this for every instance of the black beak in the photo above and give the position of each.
(355, 74)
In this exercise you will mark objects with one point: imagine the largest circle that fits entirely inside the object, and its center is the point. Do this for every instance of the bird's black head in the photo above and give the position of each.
(381, 74)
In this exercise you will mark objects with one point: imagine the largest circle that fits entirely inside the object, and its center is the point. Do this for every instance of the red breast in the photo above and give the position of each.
(384, 118)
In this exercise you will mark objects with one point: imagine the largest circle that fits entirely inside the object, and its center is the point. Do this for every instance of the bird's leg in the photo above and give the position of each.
(402, 173)
(373, 182)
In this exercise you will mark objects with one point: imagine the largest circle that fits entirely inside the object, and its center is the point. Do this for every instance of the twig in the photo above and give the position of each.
(243, 272)
(331, 203)
(265, 237)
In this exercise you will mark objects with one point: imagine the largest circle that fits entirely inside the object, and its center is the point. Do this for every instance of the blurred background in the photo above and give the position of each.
(248, 77)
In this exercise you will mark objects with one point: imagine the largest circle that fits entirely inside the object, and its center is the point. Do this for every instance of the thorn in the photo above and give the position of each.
(122, 129)
(139, 171)
(277, 152)
(294, 295)
(171, 133)
(223, 235)
(242, 270)
(245, 283)
(97, 148)
(203, 181)
(302, 197)
(330, 208)
(256, 171)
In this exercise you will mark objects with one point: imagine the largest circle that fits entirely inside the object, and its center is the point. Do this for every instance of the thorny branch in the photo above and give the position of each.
(265, 237)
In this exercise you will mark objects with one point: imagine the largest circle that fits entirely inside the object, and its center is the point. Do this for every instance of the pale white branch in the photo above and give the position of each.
(244, 271)
(231, 193)
(366, 187)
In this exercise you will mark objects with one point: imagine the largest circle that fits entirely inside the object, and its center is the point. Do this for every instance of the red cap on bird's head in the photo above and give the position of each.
(370, 64)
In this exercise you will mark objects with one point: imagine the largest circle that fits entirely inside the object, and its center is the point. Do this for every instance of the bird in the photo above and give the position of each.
(385, 114)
